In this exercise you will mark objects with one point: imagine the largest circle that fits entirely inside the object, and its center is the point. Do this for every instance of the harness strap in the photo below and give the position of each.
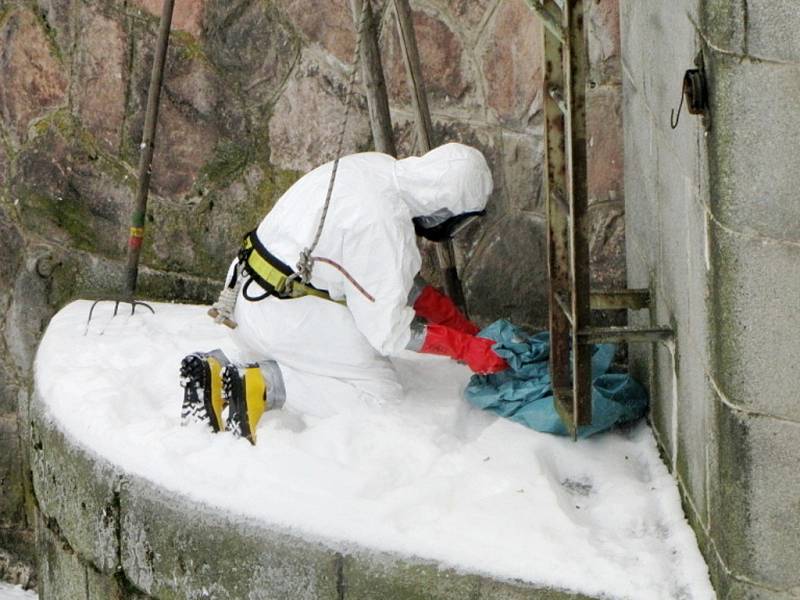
(272, 274)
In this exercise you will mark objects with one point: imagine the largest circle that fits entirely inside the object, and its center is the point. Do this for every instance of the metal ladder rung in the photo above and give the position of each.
(598, 335)
(557, 96)
(633, 299)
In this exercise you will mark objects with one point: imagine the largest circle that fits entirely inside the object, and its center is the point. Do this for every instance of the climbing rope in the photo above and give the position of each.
(305, 264)
(222, 310)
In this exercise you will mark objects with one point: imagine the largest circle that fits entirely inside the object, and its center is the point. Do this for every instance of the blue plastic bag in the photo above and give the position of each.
(523, 394)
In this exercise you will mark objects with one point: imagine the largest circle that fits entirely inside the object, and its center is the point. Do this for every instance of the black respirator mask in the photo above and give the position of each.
(443, 225)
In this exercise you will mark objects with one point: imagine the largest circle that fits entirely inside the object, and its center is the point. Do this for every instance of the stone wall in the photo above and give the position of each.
(253, 97)
(712, 227)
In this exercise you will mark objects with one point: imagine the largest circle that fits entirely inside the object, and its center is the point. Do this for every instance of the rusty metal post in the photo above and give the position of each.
(374, 81)
(147, 146)
(576, 69)
(444, 251)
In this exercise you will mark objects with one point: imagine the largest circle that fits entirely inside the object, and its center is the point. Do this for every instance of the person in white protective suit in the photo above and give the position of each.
(325, 346)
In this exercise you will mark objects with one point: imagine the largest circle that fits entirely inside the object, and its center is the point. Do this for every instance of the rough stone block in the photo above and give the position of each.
(755, 499)
(77, 491)
(523, 166)
(492, 288)
(755, 176)
(378, 576)
(173, 548)
(499, 590)
(772, 27)
(301, 131)
(603, 33)
(606, 144)
(447, 72)
(101, 77)
(187, 16)
(607, 245)
(62, 575)
(33, 78)
(756, 357)
(511, 62)
(723, 22)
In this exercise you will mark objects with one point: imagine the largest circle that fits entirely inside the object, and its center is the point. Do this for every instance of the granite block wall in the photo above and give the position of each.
(712, 228)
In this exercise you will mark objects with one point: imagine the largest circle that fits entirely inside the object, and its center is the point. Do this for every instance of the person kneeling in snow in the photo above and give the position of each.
(322, 343)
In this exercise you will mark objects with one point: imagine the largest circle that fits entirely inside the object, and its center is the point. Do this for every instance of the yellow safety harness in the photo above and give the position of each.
(271, 274)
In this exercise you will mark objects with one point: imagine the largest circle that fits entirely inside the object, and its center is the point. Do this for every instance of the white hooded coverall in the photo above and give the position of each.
(334, 356)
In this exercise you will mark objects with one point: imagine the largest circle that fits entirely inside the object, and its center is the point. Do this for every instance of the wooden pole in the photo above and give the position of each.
(374, 81)
(147, 146)
(408, 42)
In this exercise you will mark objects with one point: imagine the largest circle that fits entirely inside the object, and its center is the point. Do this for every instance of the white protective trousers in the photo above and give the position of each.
(333, 356)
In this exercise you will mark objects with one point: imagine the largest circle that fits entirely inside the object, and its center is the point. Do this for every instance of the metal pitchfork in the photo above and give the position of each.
(145, 163)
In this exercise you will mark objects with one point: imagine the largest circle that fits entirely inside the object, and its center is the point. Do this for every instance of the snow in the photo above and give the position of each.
(432, 477)
(15, 592)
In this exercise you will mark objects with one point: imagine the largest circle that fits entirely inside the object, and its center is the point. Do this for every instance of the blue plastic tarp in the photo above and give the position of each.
(523, 394)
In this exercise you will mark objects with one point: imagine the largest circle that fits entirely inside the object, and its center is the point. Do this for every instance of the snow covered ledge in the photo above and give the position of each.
(430, 500)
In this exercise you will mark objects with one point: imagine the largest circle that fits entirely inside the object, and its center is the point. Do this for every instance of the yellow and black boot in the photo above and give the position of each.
(201, 378)
(250, 390)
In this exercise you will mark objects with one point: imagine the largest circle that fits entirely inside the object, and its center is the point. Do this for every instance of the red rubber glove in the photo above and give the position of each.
(475, 351)
(435, 307)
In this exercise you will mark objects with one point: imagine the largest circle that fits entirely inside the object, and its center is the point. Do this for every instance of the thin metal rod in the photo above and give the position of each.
(598, 335)
(408, 45)
(374, 81)
(408, 42)
(147, 146)
(634, 299)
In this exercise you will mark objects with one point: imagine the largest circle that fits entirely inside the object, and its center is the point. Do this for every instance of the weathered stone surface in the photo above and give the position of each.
(724, 22)
(305, 127)
(15, 572)
(771, 25)
(523, 170)
(752, 172)
(100, 77)
(251, 46)
(77, 491)
(329, 24)
(11, 509)
(187, 16)
(57, 19)
(33, 79)
(184, 139)
(469, 13)
(607, 245)
(441, 54)
(12, 250)
(511, 62)
(171, 556)
(754, 361)
(605, 147)
(376, 576)
(604, 42)
(755, 499)
(62, 195)
(493, 289)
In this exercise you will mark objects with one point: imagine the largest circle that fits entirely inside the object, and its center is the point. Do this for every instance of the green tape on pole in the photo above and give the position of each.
(137, 219)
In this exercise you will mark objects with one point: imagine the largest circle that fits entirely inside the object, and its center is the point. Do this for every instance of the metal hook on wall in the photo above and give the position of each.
(673, 117)
(695, 92)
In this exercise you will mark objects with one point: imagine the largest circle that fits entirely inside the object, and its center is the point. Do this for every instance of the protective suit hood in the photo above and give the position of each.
(448, 181)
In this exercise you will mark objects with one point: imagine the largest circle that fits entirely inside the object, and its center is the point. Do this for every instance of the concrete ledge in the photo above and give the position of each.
(109, 535)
